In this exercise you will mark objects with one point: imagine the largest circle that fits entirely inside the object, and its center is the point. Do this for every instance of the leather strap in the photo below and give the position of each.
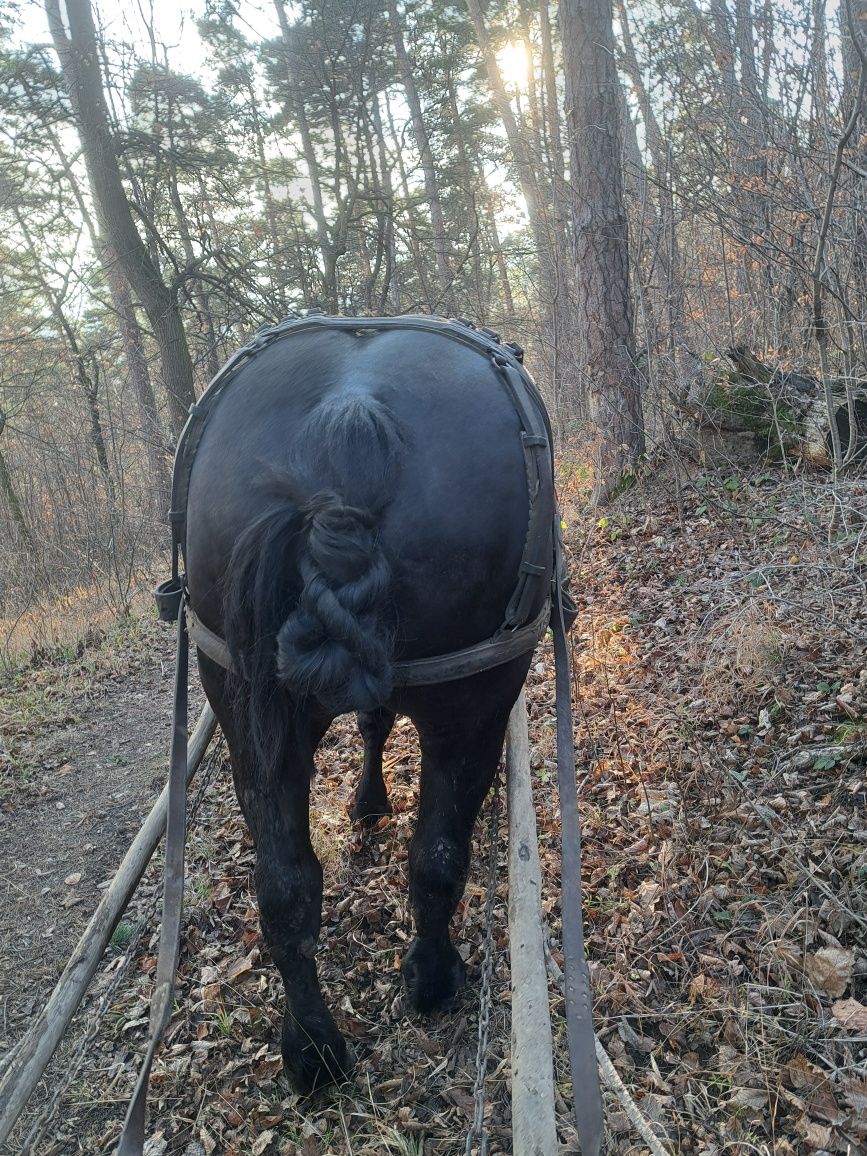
(502, 647)
(132, 1137)
(586, 1092)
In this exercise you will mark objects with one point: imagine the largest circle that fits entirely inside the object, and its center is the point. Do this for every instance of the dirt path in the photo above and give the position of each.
(83, 756)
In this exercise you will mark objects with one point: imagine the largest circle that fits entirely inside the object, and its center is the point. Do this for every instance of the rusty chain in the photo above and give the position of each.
(478, 1132)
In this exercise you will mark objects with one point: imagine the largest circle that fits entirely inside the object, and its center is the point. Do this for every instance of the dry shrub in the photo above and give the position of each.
(740, 653)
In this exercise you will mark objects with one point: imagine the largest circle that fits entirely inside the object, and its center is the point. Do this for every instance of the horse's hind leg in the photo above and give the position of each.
(371, 799)
(288, 885)
(461, 729)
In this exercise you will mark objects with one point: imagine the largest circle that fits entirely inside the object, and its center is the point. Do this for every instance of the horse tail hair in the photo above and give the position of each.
(334, 645)
(319, 554)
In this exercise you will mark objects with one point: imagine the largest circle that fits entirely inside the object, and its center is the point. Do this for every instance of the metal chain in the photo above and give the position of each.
(73, 1063)
(477, 1132)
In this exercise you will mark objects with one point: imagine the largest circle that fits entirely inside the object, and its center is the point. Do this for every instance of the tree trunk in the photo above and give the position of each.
(520, 155)
(330, 255)
(668, 249)
(88, 381)
(853, 19)
(80, 63)
(151, 431)
(431, 187)
(472, 183)
(8, 491)
(785, 411)
(602, 300)
(139, 376)
(412, 235)
(391, 282)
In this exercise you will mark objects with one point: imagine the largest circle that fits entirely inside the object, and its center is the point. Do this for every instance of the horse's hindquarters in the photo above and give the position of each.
(356, 502)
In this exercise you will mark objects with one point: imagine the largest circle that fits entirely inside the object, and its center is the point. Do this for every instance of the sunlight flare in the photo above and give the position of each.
(514, 65)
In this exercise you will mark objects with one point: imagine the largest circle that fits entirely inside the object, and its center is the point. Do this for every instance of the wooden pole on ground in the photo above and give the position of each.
(534, 1130)
(30, 1059)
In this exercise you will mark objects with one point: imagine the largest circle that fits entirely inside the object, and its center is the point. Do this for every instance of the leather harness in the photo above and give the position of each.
(518, 633)
(515, 636)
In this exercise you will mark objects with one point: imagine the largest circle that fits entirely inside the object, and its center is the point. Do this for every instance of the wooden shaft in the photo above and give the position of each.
(534, 1131)
(31, 1056)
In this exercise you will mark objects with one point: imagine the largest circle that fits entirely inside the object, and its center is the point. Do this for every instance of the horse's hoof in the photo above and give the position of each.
(433, 973)
(368, 812)
(314, 1053)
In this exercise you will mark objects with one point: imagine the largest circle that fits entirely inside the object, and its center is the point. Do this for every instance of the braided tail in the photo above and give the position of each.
(333, 646)
(314, 553)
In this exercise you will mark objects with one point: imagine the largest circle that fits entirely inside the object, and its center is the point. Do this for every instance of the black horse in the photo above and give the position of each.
(360, 499)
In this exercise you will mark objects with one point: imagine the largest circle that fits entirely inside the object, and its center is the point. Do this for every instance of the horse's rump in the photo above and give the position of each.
(376, 507)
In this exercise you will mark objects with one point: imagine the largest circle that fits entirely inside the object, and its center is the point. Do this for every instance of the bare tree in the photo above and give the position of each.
(603, 305)
(444, 276)
(76, 47)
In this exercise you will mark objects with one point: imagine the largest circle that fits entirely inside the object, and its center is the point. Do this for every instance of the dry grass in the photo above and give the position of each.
(62, 623)
(741, 652)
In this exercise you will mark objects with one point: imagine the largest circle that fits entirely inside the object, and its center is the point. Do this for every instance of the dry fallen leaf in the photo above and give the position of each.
(239, 968)
(756, 1098)
(262, 1143)
(804, 1074)
(855, 1092)
(211, 996)
(830, 969)
(851, 1014)
(815, 1135)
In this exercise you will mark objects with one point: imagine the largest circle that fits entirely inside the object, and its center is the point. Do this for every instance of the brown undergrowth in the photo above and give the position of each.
(721, 727)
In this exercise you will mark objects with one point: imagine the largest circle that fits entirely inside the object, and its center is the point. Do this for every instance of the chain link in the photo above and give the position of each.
(478, 1133)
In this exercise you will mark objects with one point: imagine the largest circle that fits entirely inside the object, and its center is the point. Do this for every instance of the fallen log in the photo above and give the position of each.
(784, 410)
(534, 1131)
(30, 1058)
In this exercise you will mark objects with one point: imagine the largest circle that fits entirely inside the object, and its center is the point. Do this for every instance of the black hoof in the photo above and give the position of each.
(314, 1053)
(433, 973)
(368, 812)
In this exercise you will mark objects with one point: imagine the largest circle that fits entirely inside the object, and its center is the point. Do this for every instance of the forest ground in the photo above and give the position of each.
(720, 724)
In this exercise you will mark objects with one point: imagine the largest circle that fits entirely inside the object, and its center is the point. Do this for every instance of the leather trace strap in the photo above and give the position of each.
(586, 1092)
(132, 1137)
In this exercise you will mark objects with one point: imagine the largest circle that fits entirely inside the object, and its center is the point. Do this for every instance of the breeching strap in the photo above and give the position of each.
(132, 1136)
